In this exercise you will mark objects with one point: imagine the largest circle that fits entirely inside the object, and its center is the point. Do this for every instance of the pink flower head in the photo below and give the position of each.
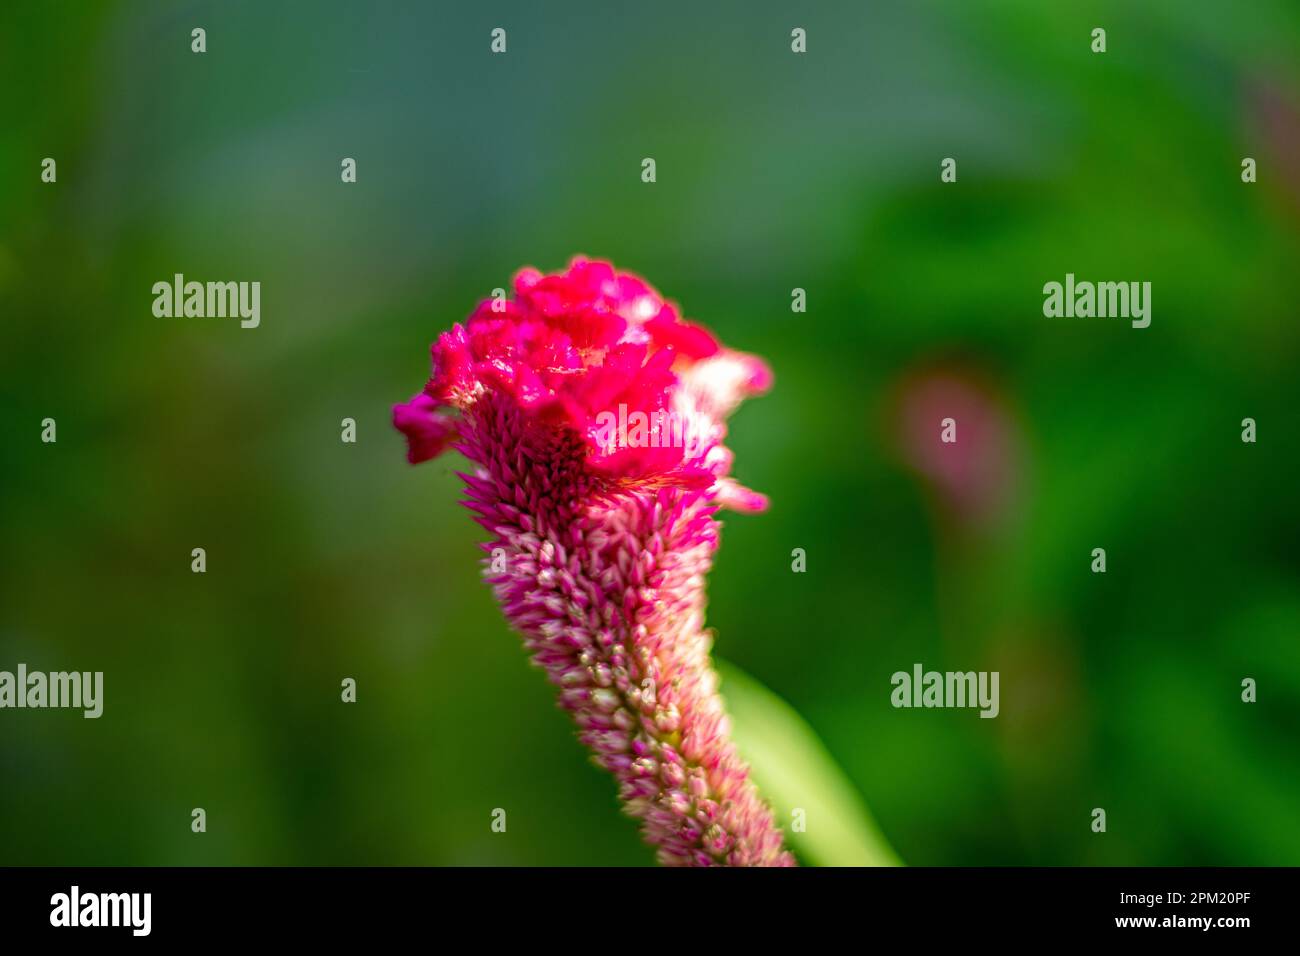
(588, 350)
(596, 416)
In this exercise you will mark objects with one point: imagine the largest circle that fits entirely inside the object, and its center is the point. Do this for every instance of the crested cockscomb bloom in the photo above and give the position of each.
(595, 417)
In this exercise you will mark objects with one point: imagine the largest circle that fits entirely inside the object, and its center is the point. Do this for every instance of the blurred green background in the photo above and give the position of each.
(775, 171)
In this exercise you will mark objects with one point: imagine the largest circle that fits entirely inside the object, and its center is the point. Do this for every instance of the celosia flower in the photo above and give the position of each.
(607, 534)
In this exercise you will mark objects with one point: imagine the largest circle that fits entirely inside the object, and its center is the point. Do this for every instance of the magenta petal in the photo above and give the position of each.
(428, 430)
